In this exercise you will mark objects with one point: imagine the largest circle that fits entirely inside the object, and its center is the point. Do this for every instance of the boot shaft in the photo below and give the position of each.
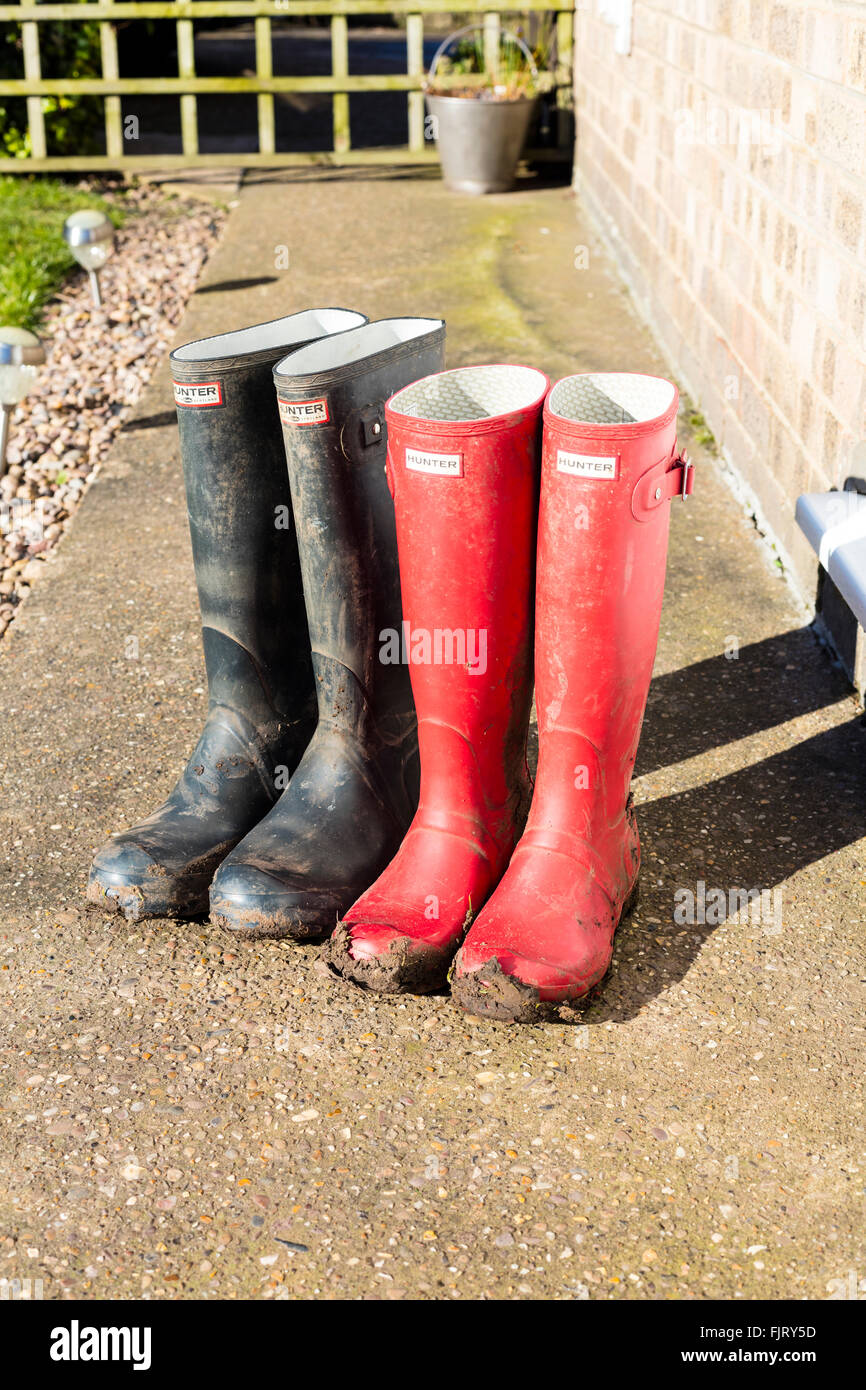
(243, 538)
(609, 470)
(463, 466)
(331, 398)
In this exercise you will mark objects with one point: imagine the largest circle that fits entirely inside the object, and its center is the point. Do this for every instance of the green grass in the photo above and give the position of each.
(34, 259)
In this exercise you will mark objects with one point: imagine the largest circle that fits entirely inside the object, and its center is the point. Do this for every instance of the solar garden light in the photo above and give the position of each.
(21, 355)
(90, 237)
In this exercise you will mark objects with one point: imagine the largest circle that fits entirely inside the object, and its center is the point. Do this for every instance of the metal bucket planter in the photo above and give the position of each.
(480, 138)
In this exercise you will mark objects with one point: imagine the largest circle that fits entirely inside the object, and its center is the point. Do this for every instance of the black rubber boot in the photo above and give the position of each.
(351, 799)
(261, 711)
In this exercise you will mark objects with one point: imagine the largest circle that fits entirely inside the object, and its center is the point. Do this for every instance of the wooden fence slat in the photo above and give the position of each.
(176, 86)
(339, 69)
(492, 23)
(415, 67)
(565, 90)
(249, 9)
(390, 154)
(113, 105)
(32, 73)
(186, 69)
(565, 51)
(265, 69)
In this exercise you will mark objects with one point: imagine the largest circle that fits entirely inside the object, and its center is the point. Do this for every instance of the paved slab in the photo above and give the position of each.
(186, 1116)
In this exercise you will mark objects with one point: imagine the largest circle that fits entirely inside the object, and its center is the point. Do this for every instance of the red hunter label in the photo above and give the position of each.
(198, 393)
(304, 412)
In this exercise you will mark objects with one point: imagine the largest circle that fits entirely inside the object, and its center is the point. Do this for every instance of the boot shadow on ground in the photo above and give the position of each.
(530, 179)
(152, 422)
(222, 286)
(726, 698)
(723, 699)
(354, 173)
(752, 829)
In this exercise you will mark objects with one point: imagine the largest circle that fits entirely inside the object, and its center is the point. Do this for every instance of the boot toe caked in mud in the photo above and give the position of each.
(386, 961)
(498, 982)
(401, 935)
(163, 866)
(537, 963)
(127, 880)
(252, 902)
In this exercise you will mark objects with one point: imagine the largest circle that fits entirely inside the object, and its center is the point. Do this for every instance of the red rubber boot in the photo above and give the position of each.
(463, 449)
(609, 470)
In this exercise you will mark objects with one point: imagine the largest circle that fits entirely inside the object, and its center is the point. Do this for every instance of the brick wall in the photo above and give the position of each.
(726, 156)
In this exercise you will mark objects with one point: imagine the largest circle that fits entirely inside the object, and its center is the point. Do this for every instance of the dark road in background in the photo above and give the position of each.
(227, 122)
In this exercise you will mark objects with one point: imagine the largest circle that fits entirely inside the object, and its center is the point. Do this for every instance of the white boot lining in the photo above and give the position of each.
(338, 351)
(611, 398)
(470, 393)
(279, 333)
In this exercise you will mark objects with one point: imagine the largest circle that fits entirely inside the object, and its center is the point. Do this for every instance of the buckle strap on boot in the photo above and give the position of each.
(671, 477)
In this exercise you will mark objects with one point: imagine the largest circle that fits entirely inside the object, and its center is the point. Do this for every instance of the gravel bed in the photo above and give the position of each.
(99, 361)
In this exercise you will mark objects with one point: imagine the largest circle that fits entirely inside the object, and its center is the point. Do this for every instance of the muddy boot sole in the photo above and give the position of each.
(407, 967)
(304, 921)
(137, 902)
(491, 993)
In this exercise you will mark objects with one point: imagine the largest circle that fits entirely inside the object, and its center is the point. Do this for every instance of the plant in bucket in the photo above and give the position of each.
(481, 99)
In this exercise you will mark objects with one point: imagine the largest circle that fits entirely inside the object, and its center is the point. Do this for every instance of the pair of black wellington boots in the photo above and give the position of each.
(305, 777)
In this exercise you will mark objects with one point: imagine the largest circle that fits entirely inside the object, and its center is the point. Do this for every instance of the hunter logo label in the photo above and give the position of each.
(198, 393)
(445, 465)
(587, 465)
(304, 412)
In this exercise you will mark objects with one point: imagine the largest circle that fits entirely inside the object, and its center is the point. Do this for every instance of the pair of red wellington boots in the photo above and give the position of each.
(520, 913)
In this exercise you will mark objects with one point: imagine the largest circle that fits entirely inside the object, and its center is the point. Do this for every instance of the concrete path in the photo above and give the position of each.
(184, 1116)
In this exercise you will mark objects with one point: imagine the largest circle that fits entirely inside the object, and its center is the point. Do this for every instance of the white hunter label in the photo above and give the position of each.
(446, 465)
(586, 465)
(198, 393)
(304, 412)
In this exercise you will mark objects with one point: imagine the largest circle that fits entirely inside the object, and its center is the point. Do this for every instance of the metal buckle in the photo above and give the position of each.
(688, 468)
(372, 425)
